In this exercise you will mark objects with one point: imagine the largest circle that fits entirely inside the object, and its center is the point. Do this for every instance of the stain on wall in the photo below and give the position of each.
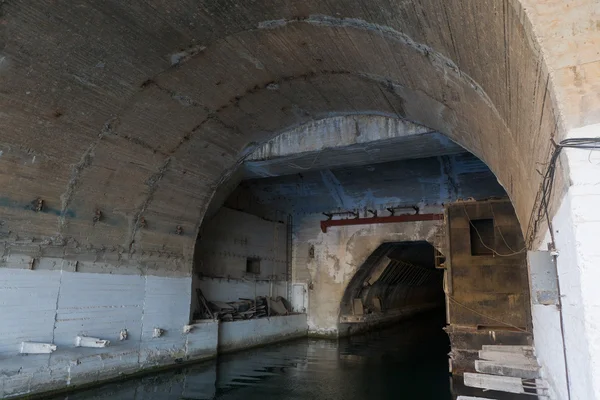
(487, 283)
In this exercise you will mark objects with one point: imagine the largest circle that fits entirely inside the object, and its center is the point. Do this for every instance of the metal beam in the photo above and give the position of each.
(380, 220)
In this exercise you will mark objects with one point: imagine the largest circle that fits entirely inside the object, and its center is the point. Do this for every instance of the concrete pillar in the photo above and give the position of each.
(576, 228)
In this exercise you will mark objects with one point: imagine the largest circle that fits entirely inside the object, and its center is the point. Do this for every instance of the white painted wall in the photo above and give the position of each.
(225, 243)
(56, 306)
(577, 231)
(237, 335)
(227, 240)
(220, 289)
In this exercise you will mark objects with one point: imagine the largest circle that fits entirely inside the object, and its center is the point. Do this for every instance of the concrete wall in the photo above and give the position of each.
(226, 242)
(495, 284)
(237, 335)
(337, 256)
(576, 226)
(486, 285)
(56, 306)
(425, 181)
(222, 289)
(403, 279)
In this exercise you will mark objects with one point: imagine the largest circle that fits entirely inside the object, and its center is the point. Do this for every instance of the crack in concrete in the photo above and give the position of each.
(152, 183)
(77, 171)
(437, 59)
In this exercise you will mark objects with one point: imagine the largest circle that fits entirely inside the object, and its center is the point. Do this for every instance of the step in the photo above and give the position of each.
(472, 398)
(507, 358)
(494, 382)
(525, 350)
(524, 371)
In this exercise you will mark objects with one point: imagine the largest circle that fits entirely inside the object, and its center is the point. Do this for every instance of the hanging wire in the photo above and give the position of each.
(486, 316)
(502, 236)
(514, 253)
(541, 211)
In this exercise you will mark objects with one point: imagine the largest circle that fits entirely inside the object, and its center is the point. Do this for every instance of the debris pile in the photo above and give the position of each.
(242, 309)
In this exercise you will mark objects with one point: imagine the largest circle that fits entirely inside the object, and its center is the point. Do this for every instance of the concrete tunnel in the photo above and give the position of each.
(135, 137)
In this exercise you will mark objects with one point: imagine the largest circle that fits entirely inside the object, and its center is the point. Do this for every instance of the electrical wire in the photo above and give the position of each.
(486, 316)
(514, 253)
(502, 236)
(541, 210)
(306, 168)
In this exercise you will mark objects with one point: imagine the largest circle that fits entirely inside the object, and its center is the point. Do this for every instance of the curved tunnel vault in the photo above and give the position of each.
(178, 123)
(120, 122)
(396, 281)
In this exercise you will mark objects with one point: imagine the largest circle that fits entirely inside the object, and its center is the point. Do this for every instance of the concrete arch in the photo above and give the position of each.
(338, 256)
(255, 81)
(123, 119)
(417, 291)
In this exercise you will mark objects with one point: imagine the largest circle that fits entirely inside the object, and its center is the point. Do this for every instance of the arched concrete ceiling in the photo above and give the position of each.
(425, 182)
(140, 110)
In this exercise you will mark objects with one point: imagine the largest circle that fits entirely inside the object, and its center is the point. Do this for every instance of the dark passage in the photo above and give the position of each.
(407, 361)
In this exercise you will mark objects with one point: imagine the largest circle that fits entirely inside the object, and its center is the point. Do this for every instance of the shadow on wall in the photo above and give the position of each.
(240, 256)
(396, 281)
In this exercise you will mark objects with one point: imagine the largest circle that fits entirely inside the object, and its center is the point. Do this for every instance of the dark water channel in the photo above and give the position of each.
(407, 361)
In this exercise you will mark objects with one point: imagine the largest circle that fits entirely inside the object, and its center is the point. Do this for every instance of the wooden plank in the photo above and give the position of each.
(507, 358)
(509, 349)
(493, 382)
(523, 371)
(472, 398)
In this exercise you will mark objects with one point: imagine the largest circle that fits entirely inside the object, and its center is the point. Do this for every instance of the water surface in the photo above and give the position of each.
(408, 361)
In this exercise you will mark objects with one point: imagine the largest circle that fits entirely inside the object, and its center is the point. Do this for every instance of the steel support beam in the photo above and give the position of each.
(380, 220)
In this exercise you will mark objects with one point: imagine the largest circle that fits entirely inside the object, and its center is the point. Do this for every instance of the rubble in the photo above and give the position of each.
(242, 309)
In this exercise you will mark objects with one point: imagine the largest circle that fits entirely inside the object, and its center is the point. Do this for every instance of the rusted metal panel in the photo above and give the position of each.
(380, 220)
(489, 300)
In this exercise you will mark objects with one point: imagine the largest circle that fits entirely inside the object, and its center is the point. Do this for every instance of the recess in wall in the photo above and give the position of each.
(253, 265)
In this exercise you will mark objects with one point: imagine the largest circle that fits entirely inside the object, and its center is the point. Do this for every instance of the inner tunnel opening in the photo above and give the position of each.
(398, 280)
(350, 225)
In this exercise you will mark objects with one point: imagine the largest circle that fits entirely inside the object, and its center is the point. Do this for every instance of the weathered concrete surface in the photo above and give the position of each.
(140, 111)
(378, 321)
(333, 142)
(56, 306)
(423, 182)
(136, 108)
(334, 259)
(337, 133)
(228, 239)
(238, 335)
(486, 290)
(345, 141)
(396, 281)
(225, 242)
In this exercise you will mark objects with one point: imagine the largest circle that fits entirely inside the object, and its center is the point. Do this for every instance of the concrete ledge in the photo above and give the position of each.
(74, 368)
(348, 327)
(239, 335)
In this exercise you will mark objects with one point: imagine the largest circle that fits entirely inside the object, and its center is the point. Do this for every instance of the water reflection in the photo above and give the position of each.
(407, 361)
